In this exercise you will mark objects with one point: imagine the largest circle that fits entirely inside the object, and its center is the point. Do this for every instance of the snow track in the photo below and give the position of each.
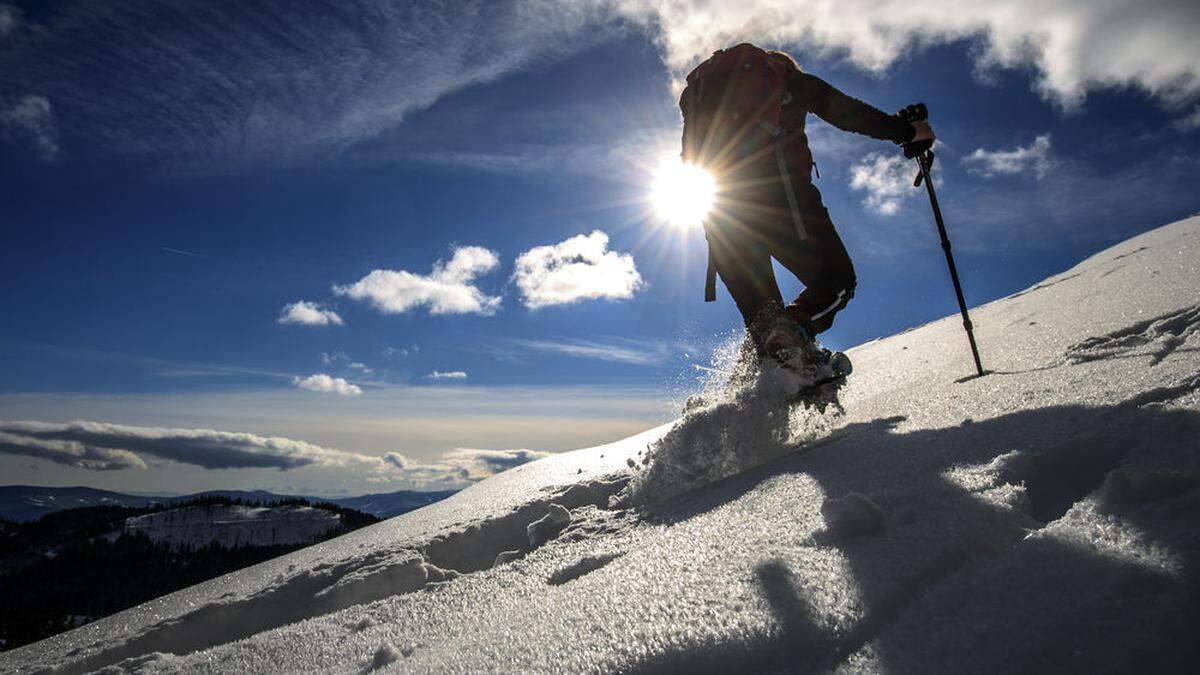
(1043, 518)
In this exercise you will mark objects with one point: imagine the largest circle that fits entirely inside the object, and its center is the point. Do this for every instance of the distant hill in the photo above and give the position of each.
(24, 503)
(75, 565)
(388, 504)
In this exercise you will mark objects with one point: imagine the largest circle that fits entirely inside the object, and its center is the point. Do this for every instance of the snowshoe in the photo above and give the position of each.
(829, 378)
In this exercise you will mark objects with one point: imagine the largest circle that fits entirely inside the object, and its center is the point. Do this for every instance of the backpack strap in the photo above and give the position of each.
(785, 176)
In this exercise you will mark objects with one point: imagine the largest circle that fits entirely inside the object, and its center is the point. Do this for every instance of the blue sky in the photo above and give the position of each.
(177, 177)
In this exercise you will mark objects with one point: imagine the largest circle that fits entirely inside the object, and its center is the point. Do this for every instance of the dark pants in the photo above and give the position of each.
(753, 223)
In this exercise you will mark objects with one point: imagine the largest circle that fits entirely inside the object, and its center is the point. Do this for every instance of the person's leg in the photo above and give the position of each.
(743, 261)
(820, 261)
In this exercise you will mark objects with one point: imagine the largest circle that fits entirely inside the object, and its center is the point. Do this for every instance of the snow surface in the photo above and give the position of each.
(235, 525)
(1043, 518)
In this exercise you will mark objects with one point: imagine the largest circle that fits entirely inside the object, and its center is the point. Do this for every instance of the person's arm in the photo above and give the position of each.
(846, 112)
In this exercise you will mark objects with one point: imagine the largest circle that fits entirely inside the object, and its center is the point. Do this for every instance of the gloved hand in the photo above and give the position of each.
(922, 132)
(922, 137)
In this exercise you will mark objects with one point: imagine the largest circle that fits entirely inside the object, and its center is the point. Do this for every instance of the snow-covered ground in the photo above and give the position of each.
(235, 525)
(1043, 518)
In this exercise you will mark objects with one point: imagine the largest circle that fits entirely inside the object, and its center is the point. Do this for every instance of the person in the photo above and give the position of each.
(744, 112)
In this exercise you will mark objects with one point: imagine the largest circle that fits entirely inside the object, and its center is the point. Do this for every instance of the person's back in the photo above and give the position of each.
(744, 113)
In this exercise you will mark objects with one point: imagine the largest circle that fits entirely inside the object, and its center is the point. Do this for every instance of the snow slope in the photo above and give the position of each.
(1045, 517)
(234, 525)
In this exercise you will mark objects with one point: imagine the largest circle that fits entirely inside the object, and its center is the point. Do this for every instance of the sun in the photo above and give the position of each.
(682, 194)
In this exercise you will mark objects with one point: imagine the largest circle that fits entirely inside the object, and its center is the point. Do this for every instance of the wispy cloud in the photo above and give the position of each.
(1078, 202)
(325, 384)
(626, 351)
(277, 82)
(164, 367)
(1190, 121)
(30, 120)
(391, 351)
(179, 251)
(448, 289)
(306, 313)
(446, 375)
(579, 268)
(1035, 156)
(10, 19)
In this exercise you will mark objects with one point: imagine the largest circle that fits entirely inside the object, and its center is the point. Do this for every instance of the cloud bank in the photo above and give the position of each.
(102, 446)
(579, 268)
(461, 466)
(305, 313)
(1073, 46)
(105, 446)
(448, 289)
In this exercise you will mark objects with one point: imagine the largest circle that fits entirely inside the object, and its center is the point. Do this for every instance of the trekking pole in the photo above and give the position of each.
(924, 157)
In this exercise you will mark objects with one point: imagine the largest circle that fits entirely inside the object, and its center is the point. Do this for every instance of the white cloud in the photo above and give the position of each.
(106, 446)
(886, 178)
(448, 289)
(579, 268)
(446, 375)
(1034, 156)
(30, 120)
(641, 354)
(459, 467)
(320, 382)
(1073, 45)
(308, 313)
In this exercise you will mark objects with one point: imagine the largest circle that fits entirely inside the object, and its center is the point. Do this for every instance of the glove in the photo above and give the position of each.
(922, 137)
(922, 132)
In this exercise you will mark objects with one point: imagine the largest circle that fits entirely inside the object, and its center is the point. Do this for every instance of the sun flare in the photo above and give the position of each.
(682, 194)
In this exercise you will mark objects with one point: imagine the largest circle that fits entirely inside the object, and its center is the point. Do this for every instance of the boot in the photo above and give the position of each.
(788, 343)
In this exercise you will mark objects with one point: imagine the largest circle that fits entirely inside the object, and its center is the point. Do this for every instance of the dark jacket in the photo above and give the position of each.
(802, 94)
(810, 94)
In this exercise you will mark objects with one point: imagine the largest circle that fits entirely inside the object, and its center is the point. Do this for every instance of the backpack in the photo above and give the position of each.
(731, 106)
